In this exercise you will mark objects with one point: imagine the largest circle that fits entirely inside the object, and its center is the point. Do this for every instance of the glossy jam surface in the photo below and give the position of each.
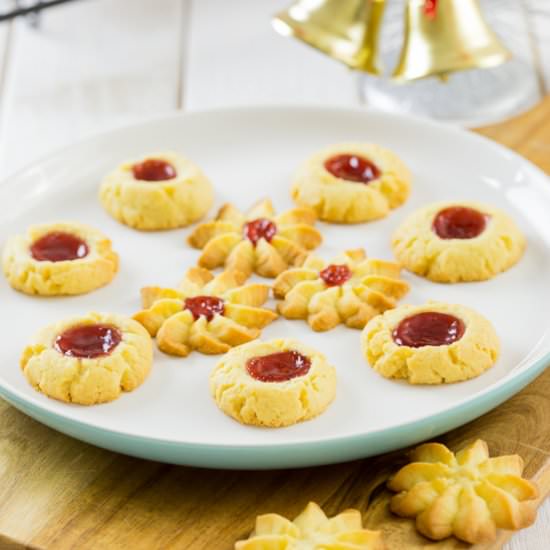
(335, 275)
(278, 367)
(153, 170)
(459, 222)
(352, 168)
(258, 229)
(58, 247)
(428, 328)
(88, 341)
(205, 306)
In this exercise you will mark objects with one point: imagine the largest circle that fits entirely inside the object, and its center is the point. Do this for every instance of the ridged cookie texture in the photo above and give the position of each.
(47, 278)
(272, 404)
(420, 250)
(155, 205)
(467, 494)
(475, 352)
(88, 381)
(178, 332)
(342, 201)
(312, 530)
(223, 240)
(373, 287)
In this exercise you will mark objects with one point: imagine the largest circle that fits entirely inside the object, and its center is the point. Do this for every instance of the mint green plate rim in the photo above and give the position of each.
(285, 455)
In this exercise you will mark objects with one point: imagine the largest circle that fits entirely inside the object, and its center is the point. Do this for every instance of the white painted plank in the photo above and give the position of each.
(236, 58)
(539, 11)
(92, 64)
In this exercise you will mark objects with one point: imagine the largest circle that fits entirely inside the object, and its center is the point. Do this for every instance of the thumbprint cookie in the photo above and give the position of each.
(274, 383)
(352, 182)
(59, 259)
(89, 359)
(453, 242)
(431, 344)
(159, 191)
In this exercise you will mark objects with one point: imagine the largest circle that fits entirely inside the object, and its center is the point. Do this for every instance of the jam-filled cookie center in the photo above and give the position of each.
(429, 328)
(154, 170)
(278, 367)
(335, 275)
(261, 228)
(205, 306)
(459, 222)
(352, 168)
(58, 246)
(88, 341)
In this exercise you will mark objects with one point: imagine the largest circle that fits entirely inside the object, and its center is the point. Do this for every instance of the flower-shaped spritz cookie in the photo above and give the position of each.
(466, 494)
(258, 241)
(208, 313)
(351, 289)
(312, 530)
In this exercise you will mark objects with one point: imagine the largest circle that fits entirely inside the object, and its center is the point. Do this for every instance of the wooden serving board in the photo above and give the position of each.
(56, 492)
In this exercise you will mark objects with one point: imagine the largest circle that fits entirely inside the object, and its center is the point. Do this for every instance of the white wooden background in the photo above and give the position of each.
(96, 64)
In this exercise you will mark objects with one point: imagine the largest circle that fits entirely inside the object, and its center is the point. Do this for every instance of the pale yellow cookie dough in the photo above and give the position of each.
(68, 277)
(420, 250)
(342, 201)
(468, 357)
(152, 205)
(272, 404)
(88, 381)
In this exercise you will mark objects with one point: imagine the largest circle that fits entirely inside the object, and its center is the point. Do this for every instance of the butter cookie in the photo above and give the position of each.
(313, 530)
(274, 383)
(207, 313)
(89, 359)
(259, 241)
(59, 259)
(467, 494)
(431, 344)
(452, 242)
(352, 182)
(351, 289)
(160, 191)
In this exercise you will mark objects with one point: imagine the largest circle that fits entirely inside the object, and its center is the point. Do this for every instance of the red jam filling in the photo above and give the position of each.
(278, 367)
(335, 275)
(352, 168)
(205, 306)
(428, 328)
(459, 222)
(58, 247)
(88, 341)
(261, 228)
(153, 170)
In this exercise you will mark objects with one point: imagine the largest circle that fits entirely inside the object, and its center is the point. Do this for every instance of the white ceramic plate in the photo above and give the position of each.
(250, 154)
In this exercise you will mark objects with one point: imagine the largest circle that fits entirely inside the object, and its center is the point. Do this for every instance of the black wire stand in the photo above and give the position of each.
(29, 8)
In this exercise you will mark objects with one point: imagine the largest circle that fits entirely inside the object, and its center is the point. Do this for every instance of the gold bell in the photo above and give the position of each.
(347, 30)
(443, 36)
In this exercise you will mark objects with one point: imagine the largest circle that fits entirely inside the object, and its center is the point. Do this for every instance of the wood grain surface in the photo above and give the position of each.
(56, 492)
